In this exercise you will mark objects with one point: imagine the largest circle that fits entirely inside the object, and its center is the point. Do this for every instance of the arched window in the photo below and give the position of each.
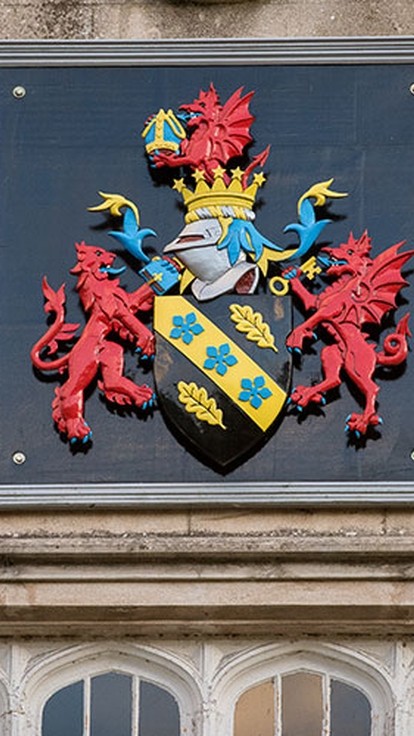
(277, 689)
(111, 704)
(302, 704)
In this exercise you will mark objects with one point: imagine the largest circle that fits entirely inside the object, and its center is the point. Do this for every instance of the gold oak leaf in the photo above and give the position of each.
(198, 402)
(252, 325)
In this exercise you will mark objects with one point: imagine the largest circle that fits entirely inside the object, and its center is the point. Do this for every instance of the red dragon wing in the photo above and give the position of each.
(232, 128)
(378, 290)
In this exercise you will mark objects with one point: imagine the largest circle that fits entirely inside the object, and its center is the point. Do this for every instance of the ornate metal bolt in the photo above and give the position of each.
(19, 92)
(19, 458)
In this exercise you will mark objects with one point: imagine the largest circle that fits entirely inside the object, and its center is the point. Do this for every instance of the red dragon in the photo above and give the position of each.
(216, 134)
(111, 310)
(363, 292)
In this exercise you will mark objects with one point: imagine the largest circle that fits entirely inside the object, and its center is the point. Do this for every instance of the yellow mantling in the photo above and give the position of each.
(114, 203)
(196, 352)
(319, 192)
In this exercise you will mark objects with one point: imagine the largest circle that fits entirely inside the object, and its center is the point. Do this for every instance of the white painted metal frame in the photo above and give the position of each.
(382, 50)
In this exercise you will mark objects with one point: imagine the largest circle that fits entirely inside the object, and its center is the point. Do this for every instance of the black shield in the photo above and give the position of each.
(222, 371)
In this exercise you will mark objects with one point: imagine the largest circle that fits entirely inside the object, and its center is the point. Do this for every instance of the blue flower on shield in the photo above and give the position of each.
(254, 391)
(219, 359)
(185, 328)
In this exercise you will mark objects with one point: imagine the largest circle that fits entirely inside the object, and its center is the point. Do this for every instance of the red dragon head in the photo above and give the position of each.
(347, 258)
(206, 105)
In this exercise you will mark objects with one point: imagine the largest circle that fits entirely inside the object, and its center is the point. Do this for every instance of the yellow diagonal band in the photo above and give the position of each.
(267, 407)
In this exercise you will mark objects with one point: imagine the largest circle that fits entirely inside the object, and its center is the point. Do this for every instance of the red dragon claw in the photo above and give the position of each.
(297, 337)
(304, 395)
(359, 423)
(78, 431)
(293, 272)
(162, 158)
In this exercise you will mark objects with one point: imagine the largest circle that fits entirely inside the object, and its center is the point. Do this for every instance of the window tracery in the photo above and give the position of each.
(302, 704)
(330, 674)
(207, 685)
(111, 704)
(84, 680)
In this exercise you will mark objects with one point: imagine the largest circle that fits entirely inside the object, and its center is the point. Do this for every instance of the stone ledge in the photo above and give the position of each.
(216, 621)
(234, 547)
(206, 584)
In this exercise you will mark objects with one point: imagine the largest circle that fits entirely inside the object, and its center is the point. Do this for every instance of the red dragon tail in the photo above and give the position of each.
(396, 344)
(258, 160)
(58, 330)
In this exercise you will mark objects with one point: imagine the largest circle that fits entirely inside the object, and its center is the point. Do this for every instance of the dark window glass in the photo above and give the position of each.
(63, 712)
(158, 712)
(302, 705)
(350, 711)
(111, 704)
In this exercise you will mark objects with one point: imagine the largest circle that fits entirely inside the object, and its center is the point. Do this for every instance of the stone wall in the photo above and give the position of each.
(156, 19)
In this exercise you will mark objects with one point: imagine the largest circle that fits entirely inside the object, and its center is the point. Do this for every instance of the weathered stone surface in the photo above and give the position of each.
(380, 523)
(256, 19)
(100, 523)
(155, 19)
(31, 20)
(287, 579)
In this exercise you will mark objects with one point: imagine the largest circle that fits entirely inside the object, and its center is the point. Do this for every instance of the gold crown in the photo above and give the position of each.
(210, 199)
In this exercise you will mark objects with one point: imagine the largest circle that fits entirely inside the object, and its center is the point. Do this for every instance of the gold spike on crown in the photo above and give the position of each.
(219, 198)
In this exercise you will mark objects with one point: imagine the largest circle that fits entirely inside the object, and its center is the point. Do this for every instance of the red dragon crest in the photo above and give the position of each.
(363, 292)
(215, 134)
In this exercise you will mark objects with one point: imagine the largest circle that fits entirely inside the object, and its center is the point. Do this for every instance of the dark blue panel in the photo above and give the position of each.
(350, 711)
(111, 703)
(158, 712)
(63, 712)
(77, 131)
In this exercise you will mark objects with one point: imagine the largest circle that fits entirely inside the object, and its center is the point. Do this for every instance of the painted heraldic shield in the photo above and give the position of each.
(222, 370)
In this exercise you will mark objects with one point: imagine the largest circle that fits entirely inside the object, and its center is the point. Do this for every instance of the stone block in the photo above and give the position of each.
(286, 522)
(91, 523)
